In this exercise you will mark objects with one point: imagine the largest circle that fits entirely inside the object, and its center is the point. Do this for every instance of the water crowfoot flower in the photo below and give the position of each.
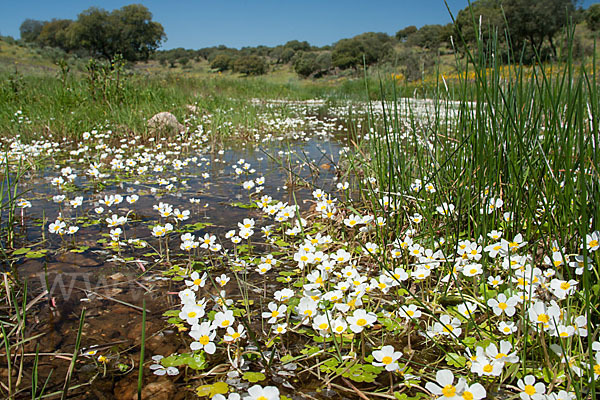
(361, 319)
(257, 392)
(445, 387)
(530, 389)
(203, 334)
(57, 227)
(274, 312)
(224, 319)
(387, 357)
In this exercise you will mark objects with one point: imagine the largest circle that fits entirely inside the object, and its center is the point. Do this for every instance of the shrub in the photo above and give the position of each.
(250, 65)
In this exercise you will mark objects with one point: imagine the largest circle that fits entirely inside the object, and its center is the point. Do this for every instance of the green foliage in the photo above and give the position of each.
(530, 24)
(360, 372)
(592, 17)
(212, 390)
(305, 63)
(429, 37)
(349, 53)
(250, 65)
(456, 360)
(56, 34)
(194, 360)
(414, 63)
(222, 62)
(254, 377)
(296, 45)
(30, 29)
(128, 31)
(404, 33)
(486, 11)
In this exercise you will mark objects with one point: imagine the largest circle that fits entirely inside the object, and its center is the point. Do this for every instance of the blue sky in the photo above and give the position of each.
(237, 23)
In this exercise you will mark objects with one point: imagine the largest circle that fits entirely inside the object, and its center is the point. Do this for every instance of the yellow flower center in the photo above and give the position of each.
(449, 391)
(261, 398)
(543, 318)
(323, 326)
(502, 306)
(565, 286)
(593, 243)
(225, 322)
(387, 360)
(361, 322)
(204, 340)
(488, 368)
(468, 396)
(192, 314)
(529, 389)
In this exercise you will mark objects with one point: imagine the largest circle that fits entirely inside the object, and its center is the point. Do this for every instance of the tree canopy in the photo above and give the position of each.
(592, 17)
(530, 24)
(349, 53)
(128, 31)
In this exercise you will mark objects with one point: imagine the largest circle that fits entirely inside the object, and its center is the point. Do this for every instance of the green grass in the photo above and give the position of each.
(528, 138)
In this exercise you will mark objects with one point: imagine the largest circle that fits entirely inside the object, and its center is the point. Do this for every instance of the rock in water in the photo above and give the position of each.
(165, 122)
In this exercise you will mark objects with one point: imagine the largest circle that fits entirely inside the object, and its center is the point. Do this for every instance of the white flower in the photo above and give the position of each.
(445, 209)
(507, 327)
(530, 389)
(503, 305)
(274, 312)
(57, 227)
(387, 357)
(191, 313)
(409, 312)
(224, 319)
(361, 319)
(196, 281)
(203, 334)
(445, 387)
(257, 392)
(447, 326)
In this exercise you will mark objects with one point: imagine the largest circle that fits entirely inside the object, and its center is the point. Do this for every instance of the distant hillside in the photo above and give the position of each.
(411, 54)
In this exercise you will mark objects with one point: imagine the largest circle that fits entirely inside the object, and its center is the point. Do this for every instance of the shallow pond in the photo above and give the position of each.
(67, 272)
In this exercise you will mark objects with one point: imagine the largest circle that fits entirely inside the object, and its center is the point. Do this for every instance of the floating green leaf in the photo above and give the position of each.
(21, 251)
(212, 390)
(254, 377)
